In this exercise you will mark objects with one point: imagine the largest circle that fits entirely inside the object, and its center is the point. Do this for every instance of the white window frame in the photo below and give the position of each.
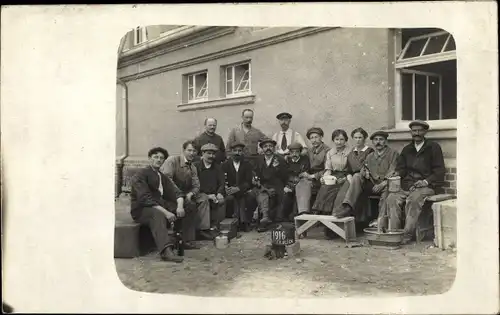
(197, 98)
(401, 64)
(427, 75)
(233, 90)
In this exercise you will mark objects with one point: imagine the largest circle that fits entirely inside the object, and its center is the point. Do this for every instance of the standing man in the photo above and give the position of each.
(238, 175)
(287, 136)
(156, 200)
(421, 168)
(372, 179)
(248, 135)
(298, 187)
(209, 136)
(212, 185)
(183, 173)
(271, 172)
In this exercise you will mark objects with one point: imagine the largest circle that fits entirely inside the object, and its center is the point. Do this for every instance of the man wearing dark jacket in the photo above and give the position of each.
(271, 172)
(421, 168)
(154, 200)
(238, 177)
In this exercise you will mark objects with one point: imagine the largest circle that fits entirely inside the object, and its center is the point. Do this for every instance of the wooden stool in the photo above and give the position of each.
(346, 229)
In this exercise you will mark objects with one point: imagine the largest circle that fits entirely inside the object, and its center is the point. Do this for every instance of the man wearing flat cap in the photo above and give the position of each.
(298, 188)
(271, 176)
(287, 136)
(372, 179)
(421, 168)
(211, 179)
(317, 156)
(240, 199)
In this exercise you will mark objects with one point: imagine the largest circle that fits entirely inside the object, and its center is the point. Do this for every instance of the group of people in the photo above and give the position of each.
(268, 180)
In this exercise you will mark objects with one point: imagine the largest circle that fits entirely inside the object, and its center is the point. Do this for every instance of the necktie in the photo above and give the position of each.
(284, 144)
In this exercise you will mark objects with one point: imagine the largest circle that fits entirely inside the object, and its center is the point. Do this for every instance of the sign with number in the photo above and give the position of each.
(282, 236)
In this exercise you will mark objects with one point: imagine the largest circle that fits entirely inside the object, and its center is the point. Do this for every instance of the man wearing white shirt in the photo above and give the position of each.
(287, 136)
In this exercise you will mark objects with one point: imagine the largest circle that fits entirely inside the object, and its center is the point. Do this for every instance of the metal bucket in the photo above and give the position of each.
(394, 184)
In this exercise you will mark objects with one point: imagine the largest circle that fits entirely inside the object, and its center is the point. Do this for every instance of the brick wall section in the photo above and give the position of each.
(130, 166)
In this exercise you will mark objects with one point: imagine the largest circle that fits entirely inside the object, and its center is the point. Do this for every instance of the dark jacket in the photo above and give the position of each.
(427, 164)
(211, 179)
(145, 193)
(216, 139)
(241, 179)
(271, 176)
(294, 169)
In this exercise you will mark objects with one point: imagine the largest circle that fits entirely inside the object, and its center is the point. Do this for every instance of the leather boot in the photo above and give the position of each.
(168, 255)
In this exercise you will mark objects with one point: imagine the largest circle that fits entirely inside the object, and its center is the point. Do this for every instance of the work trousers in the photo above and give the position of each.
(270, 202)
(158, 224)
(241, 206)
(217, 213)
(412, 203)
(301, 194)
(197, 216)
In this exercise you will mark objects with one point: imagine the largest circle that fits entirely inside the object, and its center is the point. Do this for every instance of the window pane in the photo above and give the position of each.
(435, 44)
(200, 84)
(450, 94)
(433, 98)
(420, 97)
(407, 90)
(241, 75)
(229, 87)
(190, 81)
(451, 45)
(190, 94)
(415, 48)
(229, 73)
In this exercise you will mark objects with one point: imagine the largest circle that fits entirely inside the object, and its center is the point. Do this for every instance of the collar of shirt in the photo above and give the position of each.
(268, 160)
(295, 160)
(205, 165)
(362, 150)
(318, 149)
(380, 155)
(236, 162)
(340, 152)
(418, 147)
(185, 162)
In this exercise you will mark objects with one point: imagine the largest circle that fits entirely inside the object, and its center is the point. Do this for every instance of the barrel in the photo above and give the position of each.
(283, 234)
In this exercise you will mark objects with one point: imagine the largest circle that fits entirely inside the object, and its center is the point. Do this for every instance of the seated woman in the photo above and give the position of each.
(355, 160)
(336, 165)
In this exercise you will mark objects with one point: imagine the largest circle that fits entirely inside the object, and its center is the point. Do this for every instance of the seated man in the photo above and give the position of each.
(212, 186)
(271, 176)
(421, 168)
(156, 200)
(185, 176)
(299, 185)
(238, 175)
(372, 179)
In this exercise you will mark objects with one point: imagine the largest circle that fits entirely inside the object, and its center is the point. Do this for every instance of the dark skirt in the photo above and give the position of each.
(325, 198)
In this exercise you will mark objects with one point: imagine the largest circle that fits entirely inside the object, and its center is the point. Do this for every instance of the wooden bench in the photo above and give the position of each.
(344, 227)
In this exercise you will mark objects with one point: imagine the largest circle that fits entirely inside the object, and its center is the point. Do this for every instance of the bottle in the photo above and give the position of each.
(178, 238)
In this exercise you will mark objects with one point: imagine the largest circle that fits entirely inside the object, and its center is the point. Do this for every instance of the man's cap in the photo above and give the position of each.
(266, 140)
(284, 115)
(237, 144)
(419, 123)
(209, 147)
(295, 146)
(379, 133)
(312, 130)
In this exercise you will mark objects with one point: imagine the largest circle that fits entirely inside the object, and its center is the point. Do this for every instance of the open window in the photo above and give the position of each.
(237, 79)
(197, 86)
(427, 78)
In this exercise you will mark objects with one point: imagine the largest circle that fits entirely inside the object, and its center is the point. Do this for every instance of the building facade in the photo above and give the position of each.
(170, 78)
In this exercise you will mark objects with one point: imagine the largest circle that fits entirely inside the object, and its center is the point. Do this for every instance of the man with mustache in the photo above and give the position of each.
(298, 188)
(209, 136)
(287, 136)
(183, 173)
(155, 200)
(271, 175)
(211, 179)
(372, 179)
(246, 134)
(240, 200)
(421, 168)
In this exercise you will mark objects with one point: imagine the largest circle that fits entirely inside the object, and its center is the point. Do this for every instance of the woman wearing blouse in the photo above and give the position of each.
(336, 165)
(355, 161)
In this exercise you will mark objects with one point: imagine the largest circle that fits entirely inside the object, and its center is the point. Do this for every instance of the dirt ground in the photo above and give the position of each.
(323, 268)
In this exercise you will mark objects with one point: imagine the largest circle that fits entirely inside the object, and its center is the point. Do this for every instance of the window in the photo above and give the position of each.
(237, 79)
(197, 86)
(427, 75)
(140, 35)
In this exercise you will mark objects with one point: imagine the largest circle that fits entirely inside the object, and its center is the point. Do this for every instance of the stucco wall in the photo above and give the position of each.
(333, 79)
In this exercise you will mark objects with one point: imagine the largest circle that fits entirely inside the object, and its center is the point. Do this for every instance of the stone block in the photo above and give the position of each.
(445, 223)
(294, 249)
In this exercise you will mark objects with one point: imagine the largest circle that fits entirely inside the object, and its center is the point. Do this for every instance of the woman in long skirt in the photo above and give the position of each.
(355, 160)
(336, 165)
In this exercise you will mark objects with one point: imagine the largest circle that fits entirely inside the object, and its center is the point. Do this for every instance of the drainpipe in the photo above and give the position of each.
(121, 159)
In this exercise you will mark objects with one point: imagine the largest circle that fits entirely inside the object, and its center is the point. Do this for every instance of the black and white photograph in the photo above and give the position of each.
(250, 158)
(309, 161)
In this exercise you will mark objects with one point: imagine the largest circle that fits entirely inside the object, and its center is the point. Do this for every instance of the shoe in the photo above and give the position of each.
(406, 239)
(344, 211)
(265, 220)
(168, 255)
(189, 245)
(245, 227)
(205, 235)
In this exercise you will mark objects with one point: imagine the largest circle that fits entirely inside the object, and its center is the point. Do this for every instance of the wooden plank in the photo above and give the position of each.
(335, 228)
(440, 197)
(307, 217)
(304, 227)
